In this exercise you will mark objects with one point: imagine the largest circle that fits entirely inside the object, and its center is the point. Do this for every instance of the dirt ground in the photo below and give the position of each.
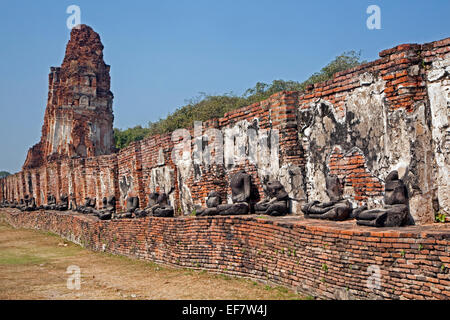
(33, 265)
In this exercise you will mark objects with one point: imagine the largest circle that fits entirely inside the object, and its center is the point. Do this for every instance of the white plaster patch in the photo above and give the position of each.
(245, 142)
(439, 95)
(366, 78)
(162, 177)
(291, 178)
(160, 160)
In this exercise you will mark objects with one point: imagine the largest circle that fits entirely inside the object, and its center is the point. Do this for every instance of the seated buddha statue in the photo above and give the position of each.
(395, 211)
(132, 205)
(336, 209)
(276, 201)
(108, 208)
(212, 202)
(240, 195)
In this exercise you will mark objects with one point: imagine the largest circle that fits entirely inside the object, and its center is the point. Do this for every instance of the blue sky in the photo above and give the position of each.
(164, 52)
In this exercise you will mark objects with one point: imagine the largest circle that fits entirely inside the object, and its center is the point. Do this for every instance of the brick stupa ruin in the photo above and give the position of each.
(78, 120)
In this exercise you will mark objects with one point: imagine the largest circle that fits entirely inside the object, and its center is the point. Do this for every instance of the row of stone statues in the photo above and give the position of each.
(105, 213)
(26, 204)
(276, 202)
(394, 213)
(157, 207)
(29, 204)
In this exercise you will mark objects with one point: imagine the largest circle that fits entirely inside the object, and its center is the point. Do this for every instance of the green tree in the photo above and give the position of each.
(204, 106)
(345, 61)
(4, 174)
(124, 137)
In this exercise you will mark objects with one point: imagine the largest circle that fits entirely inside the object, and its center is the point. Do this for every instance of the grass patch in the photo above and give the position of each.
(12, 258)
(34, 266)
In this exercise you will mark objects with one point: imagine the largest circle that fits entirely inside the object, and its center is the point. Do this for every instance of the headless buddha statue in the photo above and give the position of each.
(51, 203)
(63, 204)
(212, 202)
(395, 212)
(276, 202)
(108, 208)
(152, 205)
(31, 205)
(163, 208)
(336, 209)
(132, 205)
(240, 195)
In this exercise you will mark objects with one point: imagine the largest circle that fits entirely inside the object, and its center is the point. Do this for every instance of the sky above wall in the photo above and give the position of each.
(165, 52)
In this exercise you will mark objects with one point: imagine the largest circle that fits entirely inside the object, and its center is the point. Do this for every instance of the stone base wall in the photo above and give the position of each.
(324, 259)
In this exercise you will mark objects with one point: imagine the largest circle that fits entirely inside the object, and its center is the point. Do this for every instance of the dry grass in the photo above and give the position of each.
(33, 266)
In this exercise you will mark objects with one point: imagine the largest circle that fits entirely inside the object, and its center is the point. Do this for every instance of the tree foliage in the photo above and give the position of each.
(124, 137)
(4, 174)
(206, 106)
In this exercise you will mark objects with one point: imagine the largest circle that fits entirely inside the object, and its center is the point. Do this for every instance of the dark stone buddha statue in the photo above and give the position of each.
(108, 208)
(89, 206)
(163, 209)
(152, 205)
(240, 195)
(63, 204)
(30, 204)
(276, 202)
(132, 205)
(336, 209)
(51, 203)
(395, 212)
(212, 202)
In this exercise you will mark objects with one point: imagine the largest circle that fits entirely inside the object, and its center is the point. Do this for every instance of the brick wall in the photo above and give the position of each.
(352, 167)
(324, 259)
(360, 125)
(380, 117)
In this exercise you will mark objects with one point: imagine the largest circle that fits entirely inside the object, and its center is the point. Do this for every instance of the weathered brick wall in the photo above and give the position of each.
(91, 176)
(130, 173)
(388, 114)
(44, 185)
(436, 59)
(53, 179)
(325, 259)
(380, 118)
(66, 177)
(159, 173)
(351, 166)
(13, 187)
(148, 166)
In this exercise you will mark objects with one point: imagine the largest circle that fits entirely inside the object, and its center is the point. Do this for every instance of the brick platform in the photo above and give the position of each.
(321, 258)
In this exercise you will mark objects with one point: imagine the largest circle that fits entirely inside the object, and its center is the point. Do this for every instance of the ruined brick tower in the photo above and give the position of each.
(78, 120)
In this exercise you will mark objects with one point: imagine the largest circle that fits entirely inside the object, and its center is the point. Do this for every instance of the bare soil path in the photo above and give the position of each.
(33, 265)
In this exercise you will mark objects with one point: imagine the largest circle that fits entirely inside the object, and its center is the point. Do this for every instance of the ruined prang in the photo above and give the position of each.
(78, 120)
